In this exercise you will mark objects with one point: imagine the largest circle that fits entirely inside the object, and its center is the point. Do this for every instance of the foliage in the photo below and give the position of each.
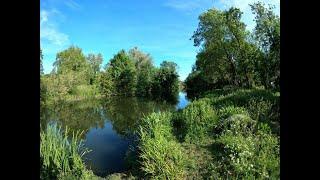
(231, 55)
(199, 119)
(72, 77)
(145, 71)
(267, 35)
(160, 155)
(228, 130)
(123, 73)
(95, 62)
(251, 156)
(166, 83)
(59, 155)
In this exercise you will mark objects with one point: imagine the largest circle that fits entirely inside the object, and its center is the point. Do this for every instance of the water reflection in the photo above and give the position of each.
(107, 126)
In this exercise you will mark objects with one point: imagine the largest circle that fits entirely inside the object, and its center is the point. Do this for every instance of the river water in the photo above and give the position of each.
(107, 125)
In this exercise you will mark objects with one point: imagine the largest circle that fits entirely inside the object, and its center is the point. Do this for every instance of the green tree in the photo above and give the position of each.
(145, 71)
(123, 73)
(225, 49)
(95, 62)
(267, 34)
(166, 82)
(107, 87)
(73, 61)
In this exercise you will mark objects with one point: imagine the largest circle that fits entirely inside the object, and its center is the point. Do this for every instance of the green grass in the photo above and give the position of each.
(199, 119)
(227, 134)
(60, 156)
(160, 155)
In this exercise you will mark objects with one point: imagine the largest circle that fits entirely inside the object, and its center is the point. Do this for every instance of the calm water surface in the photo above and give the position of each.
(107, 125)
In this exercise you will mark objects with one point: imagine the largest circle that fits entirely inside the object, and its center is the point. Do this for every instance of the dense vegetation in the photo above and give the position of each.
(228, 136)
(232, 56)
(60, 157)
(231, 129)
(76, 76)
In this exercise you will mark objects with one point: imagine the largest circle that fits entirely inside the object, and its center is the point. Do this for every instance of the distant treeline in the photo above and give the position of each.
(129, 73)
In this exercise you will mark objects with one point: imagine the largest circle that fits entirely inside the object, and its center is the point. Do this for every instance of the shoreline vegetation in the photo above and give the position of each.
(229, 130)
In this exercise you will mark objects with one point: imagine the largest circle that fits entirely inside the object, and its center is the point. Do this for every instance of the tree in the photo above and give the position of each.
(95, 62)
(166, 82)
(145, 71)
(123, 73)
(73, 61)
(223, 36)
(267, 34)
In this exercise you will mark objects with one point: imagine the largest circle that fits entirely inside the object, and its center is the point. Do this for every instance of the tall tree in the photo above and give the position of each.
(95, 62)
(267, 34)
(145, 71)
(222, 36)
(73, 61)
(123, 72)
(166, 81)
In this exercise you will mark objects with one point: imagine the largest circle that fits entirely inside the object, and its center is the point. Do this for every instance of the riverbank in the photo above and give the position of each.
(223, 134)
(232, 134)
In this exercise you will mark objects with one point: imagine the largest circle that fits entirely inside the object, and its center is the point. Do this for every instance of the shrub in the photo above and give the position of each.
(255, 156)
(238, 124)
(199, 119)
(161, 157)
(228, 111)
(86, 91)
(157, 125)
(60, 156)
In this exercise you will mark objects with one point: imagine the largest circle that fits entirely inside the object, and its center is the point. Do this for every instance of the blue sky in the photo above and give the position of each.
(161, 28)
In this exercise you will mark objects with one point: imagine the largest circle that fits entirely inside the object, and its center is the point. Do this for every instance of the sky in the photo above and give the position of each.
(162, 28)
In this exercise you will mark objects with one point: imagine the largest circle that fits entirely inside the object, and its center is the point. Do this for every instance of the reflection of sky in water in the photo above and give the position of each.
(108, 150)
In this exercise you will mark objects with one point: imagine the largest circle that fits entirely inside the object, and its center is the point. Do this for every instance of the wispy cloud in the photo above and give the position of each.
(51, 38)
(73, 5)
(188, 5)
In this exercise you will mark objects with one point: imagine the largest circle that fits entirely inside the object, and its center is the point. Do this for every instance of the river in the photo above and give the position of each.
(107, 126)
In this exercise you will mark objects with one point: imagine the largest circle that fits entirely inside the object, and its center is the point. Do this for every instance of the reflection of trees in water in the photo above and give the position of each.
(80, 115)
(125, 113)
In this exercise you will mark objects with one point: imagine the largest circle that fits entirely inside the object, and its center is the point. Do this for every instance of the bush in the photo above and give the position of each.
(59, 156)
(157, 125)
(85, 91)
(199, 119)
(255, 156)
(228, 111)
(161, 157)
(238, 124)
(262, 105)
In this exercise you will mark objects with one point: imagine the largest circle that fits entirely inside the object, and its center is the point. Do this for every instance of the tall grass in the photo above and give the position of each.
(199, 118)
(161, 157)
(60, 156)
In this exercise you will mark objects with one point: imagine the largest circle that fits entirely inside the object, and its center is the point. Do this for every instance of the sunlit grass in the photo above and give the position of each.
(61, 156)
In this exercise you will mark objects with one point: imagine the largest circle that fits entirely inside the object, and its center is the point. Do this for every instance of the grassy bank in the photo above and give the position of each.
(232, 134)
(61, 156)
